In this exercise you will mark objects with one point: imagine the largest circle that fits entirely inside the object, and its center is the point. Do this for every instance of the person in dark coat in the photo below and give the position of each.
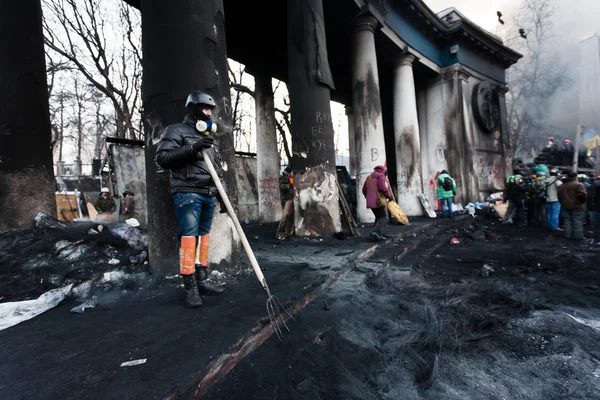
(376, 191)
(572, 197)
(516, 192)
(128, 204)
(193, 189)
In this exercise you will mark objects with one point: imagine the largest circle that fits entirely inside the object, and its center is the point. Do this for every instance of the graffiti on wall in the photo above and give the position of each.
(490, 175)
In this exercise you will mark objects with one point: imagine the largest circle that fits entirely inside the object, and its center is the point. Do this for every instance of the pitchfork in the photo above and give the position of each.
(273, 304)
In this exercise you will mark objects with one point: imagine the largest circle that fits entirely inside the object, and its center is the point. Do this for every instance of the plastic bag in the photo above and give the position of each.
(397, 213)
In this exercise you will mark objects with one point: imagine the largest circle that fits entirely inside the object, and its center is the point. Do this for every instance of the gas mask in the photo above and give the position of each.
(206, 127)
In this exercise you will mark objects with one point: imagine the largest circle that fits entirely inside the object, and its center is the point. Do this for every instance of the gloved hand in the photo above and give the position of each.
(203, 143)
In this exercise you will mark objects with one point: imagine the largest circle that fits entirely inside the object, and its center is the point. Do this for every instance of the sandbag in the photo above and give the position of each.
(397, 213)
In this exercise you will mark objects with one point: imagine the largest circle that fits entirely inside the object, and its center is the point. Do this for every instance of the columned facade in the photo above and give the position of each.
(366, 104)
(406, 133)
(267, 155)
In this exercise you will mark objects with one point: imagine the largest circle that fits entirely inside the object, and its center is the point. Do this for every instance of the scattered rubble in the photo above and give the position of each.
(92, 258)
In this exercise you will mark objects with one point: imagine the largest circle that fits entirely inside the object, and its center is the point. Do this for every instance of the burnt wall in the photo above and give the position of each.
(488, 152)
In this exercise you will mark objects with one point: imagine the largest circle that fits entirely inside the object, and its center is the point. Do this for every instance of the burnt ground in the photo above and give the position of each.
(60, 354)
(415, 320)
(421, 320)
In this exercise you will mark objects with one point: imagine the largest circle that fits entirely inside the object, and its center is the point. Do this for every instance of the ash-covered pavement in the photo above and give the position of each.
(511, 315)
(60, 354)
(514, 315)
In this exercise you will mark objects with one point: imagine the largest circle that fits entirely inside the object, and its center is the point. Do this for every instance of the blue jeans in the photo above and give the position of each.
(194, 213)
(446, 206)
(552, 213)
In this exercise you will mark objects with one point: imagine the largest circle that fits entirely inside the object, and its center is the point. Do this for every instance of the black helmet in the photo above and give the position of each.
(198, 97)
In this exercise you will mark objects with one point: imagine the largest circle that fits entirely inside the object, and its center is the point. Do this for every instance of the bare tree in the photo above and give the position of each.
(79, 31)
(284, 123)
(57, 121)
(236, 75)
(535, 79)
(101, 122)
(283, 119)
(79, 121)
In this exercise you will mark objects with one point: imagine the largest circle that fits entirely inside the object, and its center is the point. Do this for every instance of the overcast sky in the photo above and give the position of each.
(575, 19)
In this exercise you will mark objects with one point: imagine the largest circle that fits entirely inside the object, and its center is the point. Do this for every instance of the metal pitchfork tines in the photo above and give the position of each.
(273, 309)
(273, 305)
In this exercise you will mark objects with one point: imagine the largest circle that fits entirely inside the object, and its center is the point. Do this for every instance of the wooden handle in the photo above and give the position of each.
(238, 227)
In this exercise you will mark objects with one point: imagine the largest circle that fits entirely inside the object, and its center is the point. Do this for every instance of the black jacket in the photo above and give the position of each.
(189, 173)
(516, 192)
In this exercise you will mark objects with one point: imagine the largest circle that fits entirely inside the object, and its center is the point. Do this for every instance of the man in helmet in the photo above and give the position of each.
(517, 194)
(550, 190)
(568, 152)
(105, 206)
(194, 192)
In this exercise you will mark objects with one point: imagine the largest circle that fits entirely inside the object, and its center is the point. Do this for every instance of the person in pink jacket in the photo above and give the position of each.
(375, 187)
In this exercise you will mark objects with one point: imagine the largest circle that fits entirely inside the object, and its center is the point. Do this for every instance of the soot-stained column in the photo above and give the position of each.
(26, 175)
(313, 161)
(184, 50)
(406, 131)
(505, 137)
(470, 183)
(369, 141)
(267, 155)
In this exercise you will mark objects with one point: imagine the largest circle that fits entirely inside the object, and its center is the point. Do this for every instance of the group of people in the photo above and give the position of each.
(195, 194)
(554, 200)
(563, 154)
(106, 205)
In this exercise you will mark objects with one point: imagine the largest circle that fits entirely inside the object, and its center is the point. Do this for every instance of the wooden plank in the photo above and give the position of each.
(67, 208)
(427, 206)
(346, 213)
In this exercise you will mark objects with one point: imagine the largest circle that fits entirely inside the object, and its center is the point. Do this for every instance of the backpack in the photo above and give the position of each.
(284, 183)
(448, 185)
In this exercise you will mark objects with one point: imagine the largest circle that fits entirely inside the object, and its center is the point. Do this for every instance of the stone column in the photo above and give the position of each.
(351, 140)
(504, 133)
(316, 202)
(26, 172)
(406, 132)
(184, 49)
(471, 183)
(366, 103)
(267, 155)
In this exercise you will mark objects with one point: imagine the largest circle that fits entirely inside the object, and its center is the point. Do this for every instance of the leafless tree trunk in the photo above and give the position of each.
(100, 122)
(77, 30)
(535, 78)
(57, 122)
(81, 97)
(238, 89)
(284, 124)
